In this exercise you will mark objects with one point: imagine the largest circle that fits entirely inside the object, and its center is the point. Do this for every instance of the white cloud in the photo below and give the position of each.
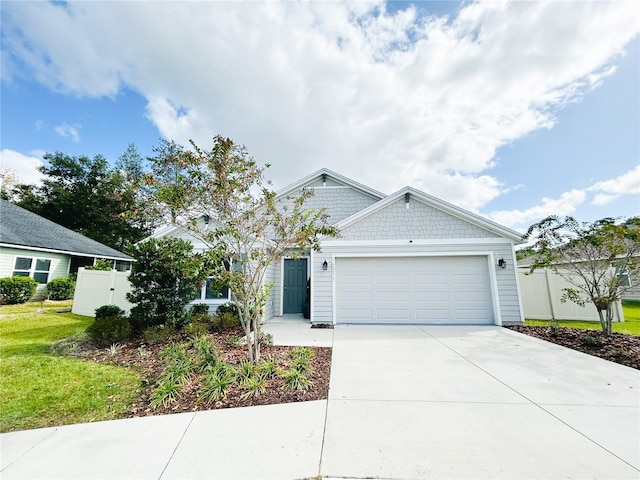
(625, 184)
(605, 192)
(24, 166)
(565, 205)
(71, 132)
(390, 99)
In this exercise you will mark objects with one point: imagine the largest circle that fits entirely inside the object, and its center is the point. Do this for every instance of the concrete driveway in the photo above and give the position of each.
(476, 402)
(404, 403)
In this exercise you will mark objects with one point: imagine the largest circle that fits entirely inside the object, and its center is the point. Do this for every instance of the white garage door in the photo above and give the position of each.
(400, 290)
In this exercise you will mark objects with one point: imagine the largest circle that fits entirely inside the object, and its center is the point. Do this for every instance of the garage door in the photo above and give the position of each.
(401, 290)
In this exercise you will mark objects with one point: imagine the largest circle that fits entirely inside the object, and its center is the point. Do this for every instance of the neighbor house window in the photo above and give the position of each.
(36, 268)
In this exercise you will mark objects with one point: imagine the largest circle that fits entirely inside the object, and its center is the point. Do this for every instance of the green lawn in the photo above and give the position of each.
(630, 326)
(38, 389)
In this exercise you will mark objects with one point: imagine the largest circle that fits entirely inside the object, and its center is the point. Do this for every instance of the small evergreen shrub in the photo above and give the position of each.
(591, 341)
(225, 321)
(196, 328)
(228, 307)
(14, 290)
(61, 288)
(199, 309)
(108, 311)
(157, 334)
(101, 264)
(109, 330)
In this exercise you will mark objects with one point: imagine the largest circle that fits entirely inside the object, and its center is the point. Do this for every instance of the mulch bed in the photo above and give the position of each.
(149, 365)
(617, 347)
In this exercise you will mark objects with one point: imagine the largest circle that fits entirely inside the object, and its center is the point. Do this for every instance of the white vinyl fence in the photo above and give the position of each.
(95, 288)
(541, 293)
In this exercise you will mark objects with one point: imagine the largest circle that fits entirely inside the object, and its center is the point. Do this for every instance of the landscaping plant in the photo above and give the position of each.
(15, 290)
(61, 288)
(165, 278)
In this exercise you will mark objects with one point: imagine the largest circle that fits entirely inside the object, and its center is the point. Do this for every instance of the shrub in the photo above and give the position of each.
(101, 264)
(196, 329)
(61, 288)
(108, 311)
(199, 309)
(225, 321)
(17, 289)
(228, 307)
(166, 276)
(109, 330)
(591, 341)
(266, 340)
(158, 334)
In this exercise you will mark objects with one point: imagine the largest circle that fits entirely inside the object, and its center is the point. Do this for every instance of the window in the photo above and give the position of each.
(36, 268)
(210, 292)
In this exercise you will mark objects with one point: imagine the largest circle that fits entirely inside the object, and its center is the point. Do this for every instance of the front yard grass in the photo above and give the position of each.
(630, 326)
(38, 389)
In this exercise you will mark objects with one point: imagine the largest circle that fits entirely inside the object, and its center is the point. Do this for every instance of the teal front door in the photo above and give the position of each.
(295, 285)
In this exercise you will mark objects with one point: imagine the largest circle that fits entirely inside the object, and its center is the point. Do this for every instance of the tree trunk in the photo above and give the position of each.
(609, 320)
(605, 315)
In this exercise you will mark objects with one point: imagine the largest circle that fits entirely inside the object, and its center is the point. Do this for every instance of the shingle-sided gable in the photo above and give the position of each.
(420, 221)
(422, 217)
(338, 195)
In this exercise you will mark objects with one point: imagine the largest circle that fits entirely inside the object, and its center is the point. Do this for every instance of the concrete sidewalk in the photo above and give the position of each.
(404, 402)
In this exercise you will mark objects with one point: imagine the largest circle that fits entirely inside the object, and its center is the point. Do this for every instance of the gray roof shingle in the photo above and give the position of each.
(21, 227)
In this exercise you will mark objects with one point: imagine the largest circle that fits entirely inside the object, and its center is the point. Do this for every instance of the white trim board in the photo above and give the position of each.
(432, 242)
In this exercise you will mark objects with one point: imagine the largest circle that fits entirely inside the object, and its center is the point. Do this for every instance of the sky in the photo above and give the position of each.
(513, 110)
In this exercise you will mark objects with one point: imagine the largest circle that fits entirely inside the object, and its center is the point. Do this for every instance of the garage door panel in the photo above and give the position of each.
(413, 290)
(357, 296)
(432, 315)
(356, 314)
(394, 314)
(468, 297)
(360, 279)
(393, 296)
(432, 296)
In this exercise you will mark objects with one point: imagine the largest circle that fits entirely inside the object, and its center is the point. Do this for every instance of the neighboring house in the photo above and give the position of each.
(35, 247)
(406, 258)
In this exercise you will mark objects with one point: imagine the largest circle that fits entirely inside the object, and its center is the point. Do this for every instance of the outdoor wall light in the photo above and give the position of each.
(325, 265)
(502, 263)
(206, 219)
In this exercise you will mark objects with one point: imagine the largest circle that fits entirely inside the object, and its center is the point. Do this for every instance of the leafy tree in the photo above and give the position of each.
(595, 258)
(165, 181)
(165, 277)
(85, 195)
(223, 200)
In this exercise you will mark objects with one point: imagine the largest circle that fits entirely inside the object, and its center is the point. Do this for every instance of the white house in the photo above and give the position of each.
(405, 258)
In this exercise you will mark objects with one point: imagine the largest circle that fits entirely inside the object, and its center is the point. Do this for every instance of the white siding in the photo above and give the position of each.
(419, 221)
(59, 261)
(270, 277)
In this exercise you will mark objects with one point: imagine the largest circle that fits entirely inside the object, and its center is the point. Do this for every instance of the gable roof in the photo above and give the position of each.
(22, 228)
(334, 176)
(439, 204)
